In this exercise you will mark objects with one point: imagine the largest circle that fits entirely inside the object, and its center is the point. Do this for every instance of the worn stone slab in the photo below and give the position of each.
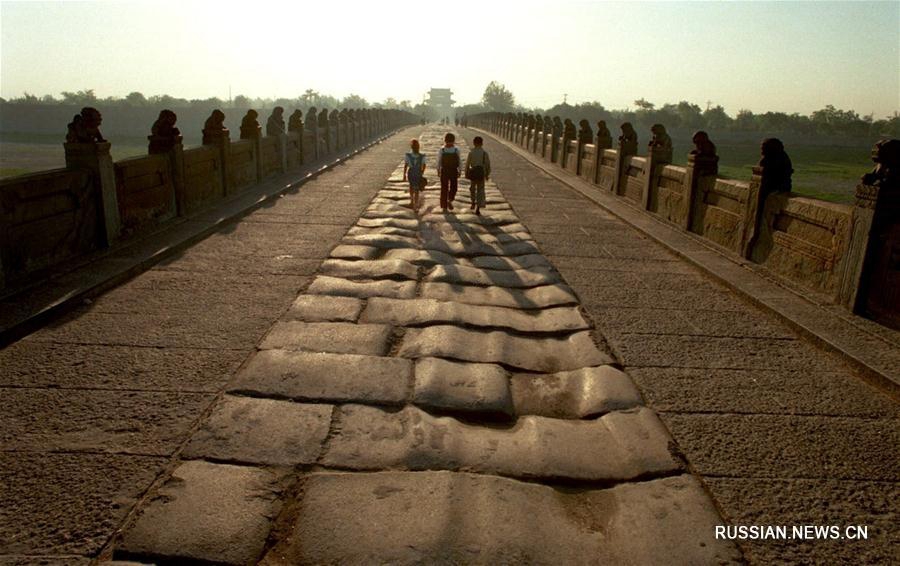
(527, 261)
(262, 431)
(403, 223)
(335, 286)
(534, 298)
(345, 251)
(518, 278)
(384, 241)
(574, 394)
(443, 384)
(317, 376)
(318, 308)
(617, 446)
(425, 258)
(399, 213)
(448, 234)
(462, 217)
(476, 248)
(516, 229)
(535, 354)
(417, 312)
(336, 337)
(369, 269)
(207, 512)
(461, 518)
(388, 230)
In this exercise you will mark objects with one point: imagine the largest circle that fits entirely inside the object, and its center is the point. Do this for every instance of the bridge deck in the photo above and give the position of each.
(438, 387)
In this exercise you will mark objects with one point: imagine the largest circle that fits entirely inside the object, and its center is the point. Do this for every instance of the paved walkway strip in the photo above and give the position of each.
(428, 391)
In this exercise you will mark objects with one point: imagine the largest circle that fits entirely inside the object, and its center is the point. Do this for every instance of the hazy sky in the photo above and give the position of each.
(781, 56)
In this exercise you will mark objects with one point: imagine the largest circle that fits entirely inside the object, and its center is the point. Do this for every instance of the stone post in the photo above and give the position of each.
(216, 134)
(254, 134)
(173, 148)
(657, 158)
(699, 179)
(96, 158)
(585, 137)
(753, 212)
(871, 262)
(554, 140)
(627, 148)
(312, 124)
(604, 142)
(772, 175)
(567, 136)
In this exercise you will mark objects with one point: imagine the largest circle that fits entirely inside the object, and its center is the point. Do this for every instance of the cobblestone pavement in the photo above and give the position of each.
(779, 431)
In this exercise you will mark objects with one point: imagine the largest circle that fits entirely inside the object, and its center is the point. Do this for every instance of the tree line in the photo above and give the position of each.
(139, 100)
(686, 115)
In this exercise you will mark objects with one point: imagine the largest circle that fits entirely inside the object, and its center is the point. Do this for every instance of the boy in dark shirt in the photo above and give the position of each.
(448, 162)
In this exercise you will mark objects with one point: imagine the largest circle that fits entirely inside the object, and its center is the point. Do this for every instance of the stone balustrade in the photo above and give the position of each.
(52, 217)
(843, 254)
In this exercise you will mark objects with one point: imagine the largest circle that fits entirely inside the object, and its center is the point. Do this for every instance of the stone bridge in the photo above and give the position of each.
(303, 370)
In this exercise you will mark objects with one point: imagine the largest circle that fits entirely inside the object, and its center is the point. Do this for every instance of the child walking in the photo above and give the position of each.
(413, 168)
(478, 169)
(448, 163)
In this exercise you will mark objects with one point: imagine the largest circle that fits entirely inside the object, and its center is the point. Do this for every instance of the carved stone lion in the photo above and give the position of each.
(163, 134)
(585, 133)
(776, 167)
(250, 125)
(85, 127)
(628, 140)
(275, 123)
(214, 128)
(295, 121)
(661, 143)
(886, 155)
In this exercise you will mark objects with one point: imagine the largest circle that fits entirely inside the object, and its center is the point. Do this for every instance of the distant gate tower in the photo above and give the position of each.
(439, 99)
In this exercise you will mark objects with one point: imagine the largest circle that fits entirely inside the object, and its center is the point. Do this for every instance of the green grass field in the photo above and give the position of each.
(826, 172)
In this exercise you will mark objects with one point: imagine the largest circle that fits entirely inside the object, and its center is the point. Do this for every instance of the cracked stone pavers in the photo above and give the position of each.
(369, 269)
(336, 286)
(338, 337)
(617, 446)
(529, 353)
(533, 298)
(460, 518)
(262, 431)
(319, 308)
(417, 312)
(517, 278)
(300, 376)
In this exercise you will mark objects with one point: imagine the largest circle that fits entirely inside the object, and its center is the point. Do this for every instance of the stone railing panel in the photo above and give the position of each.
(243, 165)
(294, 150)
(571, 153)
(271, 156)
(633, 179)
(47, 218)
(203, 170)
(667, 196)
(804, 239)
(607, 177)
(719, 213)
(588, 159)
(145, 193)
